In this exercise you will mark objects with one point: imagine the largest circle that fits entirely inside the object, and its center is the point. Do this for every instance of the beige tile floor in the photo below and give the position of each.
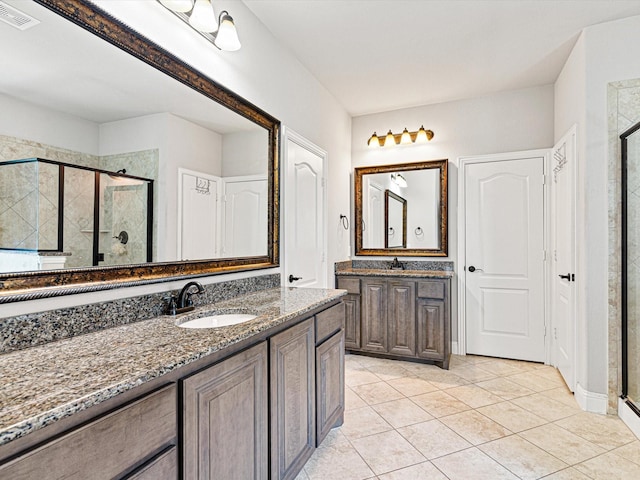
(484, 418)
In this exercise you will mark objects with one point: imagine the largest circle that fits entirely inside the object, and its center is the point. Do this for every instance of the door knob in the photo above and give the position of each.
(293, 279)
(473, 269)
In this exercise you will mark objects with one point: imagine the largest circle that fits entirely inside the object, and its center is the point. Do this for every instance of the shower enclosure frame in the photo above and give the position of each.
(624, 251)
(96, 206)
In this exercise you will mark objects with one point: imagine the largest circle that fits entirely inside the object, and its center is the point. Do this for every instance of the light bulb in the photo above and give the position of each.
(203, 17)
(227, 37)
(389, 140)
(374, 141)
(421, 137)
(178, 5)
(405, 138)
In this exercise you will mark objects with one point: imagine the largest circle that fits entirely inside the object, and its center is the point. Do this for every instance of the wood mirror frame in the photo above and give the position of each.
(42, 284)
(441, 250)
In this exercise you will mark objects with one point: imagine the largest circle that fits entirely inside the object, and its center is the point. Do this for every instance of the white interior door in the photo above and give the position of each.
(304, 214)
(198, 215)
(245, 198)
(563, 242)
(504, 243)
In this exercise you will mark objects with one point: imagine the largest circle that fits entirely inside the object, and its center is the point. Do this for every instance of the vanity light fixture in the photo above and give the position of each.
(200, 15)
(399, 180)
(405, 138)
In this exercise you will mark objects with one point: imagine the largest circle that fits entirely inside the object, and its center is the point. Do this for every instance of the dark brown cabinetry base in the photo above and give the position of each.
(401, 317)
(283, 389)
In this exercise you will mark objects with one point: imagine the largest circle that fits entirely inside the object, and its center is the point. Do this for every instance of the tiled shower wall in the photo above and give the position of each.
(623, 111)
(29, 196)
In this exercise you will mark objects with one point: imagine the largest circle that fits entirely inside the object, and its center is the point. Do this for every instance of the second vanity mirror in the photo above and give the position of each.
(121, 164)
(401, 210)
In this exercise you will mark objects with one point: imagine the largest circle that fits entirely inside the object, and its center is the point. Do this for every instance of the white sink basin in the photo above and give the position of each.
(220, 320)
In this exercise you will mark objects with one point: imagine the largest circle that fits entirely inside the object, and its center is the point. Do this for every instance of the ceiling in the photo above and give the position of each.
(381, 55)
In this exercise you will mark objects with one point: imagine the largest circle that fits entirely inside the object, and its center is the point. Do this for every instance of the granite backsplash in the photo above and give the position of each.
(23, 331)
(432, 265)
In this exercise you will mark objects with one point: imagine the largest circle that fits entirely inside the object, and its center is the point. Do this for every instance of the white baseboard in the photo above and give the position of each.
(629, 417)
(454, 348)
(590, 401)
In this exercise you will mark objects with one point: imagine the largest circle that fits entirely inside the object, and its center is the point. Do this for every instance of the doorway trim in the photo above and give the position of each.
(290, 135)
(461, 163)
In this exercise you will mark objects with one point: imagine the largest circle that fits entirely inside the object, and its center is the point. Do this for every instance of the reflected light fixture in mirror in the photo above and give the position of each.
(399, 180)
(200, 15)
(405, 138)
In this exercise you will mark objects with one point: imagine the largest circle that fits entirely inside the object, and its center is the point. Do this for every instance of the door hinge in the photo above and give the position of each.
(544, 179)
(545, 330)
(323, 182)
(544, 255)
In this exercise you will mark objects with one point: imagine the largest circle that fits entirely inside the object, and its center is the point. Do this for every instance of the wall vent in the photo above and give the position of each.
(16, 18)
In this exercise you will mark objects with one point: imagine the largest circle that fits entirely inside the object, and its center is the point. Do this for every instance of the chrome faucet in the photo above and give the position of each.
(185, 303)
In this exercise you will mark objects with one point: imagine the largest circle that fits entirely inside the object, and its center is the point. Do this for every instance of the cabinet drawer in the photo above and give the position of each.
(351, 285)
(431, 289)
(329, 321)
(106, 447)
(163, 467)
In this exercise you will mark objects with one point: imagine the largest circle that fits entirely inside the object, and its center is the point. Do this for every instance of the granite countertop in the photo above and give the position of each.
(387, 272)
(46, 383)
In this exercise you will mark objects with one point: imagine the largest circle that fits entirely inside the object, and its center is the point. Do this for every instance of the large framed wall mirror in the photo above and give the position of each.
(120, 164)
(401, 210)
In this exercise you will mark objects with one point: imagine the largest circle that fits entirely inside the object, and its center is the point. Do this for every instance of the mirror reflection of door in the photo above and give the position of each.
(198, 215)
(245, 216)
(373, 215)
(395, 220)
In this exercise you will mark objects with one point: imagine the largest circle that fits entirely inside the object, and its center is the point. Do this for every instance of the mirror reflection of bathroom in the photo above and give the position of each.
(420, 189)
(631, 266)
(48, 213)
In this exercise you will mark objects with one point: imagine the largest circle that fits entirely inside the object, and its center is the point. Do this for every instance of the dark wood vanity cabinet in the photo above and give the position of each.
(256, 414)
(398, 317)
(293, 399)
(225, 418)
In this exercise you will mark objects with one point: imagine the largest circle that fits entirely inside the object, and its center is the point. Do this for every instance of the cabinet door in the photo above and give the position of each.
(374, 316)
(432, 331)
(329, 385)
(225, 418)
(401, 318)
(293, 416)
(352, 322)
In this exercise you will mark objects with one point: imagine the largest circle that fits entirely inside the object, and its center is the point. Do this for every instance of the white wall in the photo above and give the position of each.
(503, 122)
(33, 122)
(245, 153)
(606, 52)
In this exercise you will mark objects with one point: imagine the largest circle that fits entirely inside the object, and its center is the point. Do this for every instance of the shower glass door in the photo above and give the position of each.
(125, 216)
(631, 266)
